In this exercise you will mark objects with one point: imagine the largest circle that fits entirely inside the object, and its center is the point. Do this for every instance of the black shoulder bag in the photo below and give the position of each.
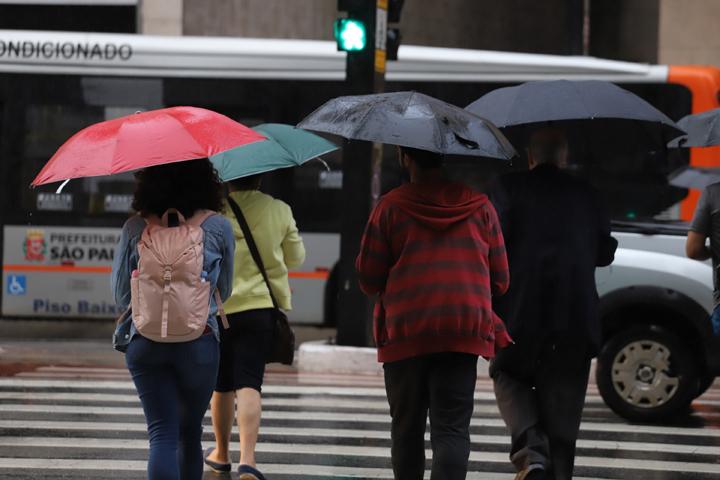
(284, 348)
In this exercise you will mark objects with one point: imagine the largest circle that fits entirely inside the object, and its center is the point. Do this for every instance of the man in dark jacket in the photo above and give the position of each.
(556, 232)
(434, 254)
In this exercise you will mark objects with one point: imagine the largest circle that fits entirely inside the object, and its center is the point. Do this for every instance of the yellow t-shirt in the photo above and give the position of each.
(281, 247)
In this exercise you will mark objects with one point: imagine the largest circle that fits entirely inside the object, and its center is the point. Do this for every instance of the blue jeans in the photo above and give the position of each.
(175, 382)
(715, 320)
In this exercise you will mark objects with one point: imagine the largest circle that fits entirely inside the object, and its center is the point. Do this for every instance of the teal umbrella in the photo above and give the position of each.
(286, 146)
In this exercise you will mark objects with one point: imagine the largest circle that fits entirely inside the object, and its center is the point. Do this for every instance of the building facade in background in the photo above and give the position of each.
(653, 31)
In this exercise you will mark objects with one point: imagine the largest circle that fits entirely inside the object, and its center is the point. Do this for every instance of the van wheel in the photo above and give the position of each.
(646, 374)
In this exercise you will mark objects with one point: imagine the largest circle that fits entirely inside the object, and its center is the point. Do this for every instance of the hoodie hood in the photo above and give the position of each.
(438, 206)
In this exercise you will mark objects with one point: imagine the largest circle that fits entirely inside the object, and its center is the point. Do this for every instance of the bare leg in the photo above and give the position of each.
(222, 408)
(249, 410)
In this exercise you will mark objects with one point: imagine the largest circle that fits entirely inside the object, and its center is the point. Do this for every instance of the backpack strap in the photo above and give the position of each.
(252, 246)
(199, 217)
(166, 216)
(167, 277)
(197, 220)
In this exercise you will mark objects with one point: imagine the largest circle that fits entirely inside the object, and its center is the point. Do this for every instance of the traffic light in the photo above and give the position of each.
(350, 34)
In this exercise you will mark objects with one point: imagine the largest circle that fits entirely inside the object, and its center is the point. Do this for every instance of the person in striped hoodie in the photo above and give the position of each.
(433, 255)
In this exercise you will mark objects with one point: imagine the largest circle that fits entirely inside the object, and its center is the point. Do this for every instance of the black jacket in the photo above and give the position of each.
(556, 232)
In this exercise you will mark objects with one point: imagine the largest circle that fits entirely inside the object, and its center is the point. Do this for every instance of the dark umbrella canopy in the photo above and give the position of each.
(703, 130)
(692, 177)
(599, 110)
(410, 119)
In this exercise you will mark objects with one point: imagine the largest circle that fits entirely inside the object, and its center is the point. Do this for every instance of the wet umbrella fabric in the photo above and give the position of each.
(286, 146)
(703, 130)
(143, 140)
(600, 110)
(697, 178)
(410, 119)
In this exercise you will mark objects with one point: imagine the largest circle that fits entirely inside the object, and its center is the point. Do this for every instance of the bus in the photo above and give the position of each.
(57, 248)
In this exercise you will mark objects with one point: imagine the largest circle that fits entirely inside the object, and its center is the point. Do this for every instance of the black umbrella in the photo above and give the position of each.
(703, 130)
(693, 177)
(602, 112)
(410, 119)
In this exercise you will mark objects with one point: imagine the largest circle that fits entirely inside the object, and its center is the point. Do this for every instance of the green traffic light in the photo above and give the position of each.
(350, 35)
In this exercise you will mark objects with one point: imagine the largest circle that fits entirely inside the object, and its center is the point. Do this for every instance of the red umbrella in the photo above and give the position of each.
(145, 139)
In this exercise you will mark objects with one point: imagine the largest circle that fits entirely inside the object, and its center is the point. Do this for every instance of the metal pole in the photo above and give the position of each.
(362, 166)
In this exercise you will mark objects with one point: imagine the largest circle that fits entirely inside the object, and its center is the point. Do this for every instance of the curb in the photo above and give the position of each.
(322, 357)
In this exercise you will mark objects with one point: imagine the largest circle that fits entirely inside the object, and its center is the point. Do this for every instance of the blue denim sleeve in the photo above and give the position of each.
(225, 279)
(125, 261)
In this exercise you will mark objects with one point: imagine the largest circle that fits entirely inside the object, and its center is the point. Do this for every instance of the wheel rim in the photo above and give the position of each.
(642, 375)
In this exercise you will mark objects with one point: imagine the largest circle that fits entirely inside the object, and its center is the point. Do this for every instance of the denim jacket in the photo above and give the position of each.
(219, 251)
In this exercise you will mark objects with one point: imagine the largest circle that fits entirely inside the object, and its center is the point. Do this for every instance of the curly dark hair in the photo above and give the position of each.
(187, 186)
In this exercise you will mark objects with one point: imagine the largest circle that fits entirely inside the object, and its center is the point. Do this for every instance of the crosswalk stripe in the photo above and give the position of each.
(271, 389)
(486, 440)
(316, 427)
(354, 418)
(294, 470)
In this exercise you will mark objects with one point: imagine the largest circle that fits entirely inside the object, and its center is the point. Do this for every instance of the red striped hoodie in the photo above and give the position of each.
(434, 254)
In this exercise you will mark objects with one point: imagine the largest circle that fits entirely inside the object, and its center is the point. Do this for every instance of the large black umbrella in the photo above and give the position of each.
(703, 130)
(410, 119)
(600, 112)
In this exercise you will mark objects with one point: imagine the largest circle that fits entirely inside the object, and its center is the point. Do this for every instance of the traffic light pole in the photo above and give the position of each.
(362, 165)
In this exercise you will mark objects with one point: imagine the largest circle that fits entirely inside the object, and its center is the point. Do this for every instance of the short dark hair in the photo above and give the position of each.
(187, 186)
(247, 183)
(546, 143)
(424, 159)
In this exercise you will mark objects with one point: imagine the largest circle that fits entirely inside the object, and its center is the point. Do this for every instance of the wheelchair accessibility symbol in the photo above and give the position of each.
(16, 285)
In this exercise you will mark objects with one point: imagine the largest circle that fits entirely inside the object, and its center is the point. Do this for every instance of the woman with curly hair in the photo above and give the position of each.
(175, 380)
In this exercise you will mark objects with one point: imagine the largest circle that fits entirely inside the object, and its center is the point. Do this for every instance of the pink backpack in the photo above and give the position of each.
(170, 292)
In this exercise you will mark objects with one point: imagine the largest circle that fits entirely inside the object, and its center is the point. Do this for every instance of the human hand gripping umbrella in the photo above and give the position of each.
(285, 147)
(144, 140)
(410, 119)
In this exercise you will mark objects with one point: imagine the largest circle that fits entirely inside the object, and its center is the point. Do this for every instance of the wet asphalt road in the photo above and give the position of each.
(75, 422)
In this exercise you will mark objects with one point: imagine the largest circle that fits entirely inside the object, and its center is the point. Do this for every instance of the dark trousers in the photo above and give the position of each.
(175, 382)
(443, 384)
(541, 403)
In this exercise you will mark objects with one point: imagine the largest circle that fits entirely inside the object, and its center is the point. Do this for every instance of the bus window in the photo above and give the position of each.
(314, 190)
(46, 128)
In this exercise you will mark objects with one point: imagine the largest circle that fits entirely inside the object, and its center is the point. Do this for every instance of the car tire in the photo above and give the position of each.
(705, 382)
(646, 374)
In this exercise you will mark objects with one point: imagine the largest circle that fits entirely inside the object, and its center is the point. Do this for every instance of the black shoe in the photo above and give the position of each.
(216, 466)
(533, 473)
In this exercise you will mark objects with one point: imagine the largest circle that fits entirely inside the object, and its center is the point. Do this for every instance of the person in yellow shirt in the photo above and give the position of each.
(246, 345)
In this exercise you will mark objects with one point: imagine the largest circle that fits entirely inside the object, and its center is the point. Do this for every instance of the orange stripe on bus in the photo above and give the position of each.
(309, 275)
(75, 269)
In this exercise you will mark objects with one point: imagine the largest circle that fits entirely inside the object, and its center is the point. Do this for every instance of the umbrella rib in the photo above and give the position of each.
(191, 134)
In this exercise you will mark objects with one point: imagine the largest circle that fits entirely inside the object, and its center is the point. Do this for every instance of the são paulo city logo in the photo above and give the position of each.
(35, 246)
